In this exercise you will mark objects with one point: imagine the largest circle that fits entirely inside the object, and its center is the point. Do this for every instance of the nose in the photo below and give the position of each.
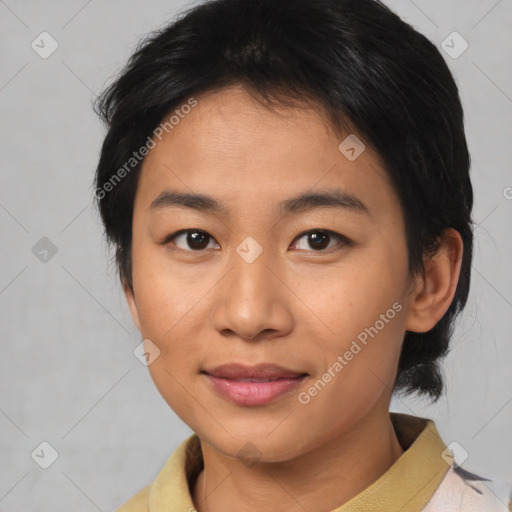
(253, 301)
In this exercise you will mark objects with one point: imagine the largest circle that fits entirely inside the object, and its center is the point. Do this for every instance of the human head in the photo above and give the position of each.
(372, 74)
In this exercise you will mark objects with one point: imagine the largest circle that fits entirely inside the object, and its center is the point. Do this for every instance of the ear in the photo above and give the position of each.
(434, 291)
(132, 304)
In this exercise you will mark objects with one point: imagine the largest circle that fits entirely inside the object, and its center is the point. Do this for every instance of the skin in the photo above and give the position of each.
(295, 305)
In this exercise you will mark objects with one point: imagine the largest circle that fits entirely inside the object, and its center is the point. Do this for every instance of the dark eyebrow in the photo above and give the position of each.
(200, 202)
(303, 202)
(329, 198)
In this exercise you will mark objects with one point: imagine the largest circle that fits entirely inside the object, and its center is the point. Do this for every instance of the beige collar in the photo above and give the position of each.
(406, 486)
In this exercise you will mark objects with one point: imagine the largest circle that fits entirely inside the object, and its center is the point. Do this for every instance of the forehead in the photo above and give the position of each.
(232, 147)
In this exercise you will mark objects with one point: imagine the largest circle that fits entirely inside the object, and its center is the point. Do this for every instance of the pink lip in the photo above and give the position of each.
(267, 382)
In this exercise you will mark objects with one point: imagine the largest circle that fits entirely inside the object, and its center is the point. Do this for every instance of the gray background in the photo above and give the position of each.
(68, 375)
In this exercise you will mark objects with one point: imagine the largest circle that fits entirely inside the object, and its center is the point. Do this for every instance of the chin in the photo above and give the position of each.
(255, 447)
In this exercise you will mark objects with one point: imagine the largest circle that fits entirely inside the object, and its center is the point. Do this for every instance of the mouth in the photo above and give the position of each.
(253, 385)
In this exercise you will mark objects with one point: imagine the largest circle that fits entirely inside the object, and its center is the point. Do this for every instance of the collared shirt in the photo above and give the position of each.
(423, 479)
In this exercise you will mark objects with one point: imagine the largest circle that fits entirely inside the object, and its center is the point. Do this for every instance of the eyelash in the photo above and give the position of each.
(343, 240)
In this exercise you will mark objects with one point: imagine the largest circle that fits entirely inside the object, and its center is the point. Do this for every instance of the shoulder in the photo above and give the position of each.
(137, 503)
(461, 490)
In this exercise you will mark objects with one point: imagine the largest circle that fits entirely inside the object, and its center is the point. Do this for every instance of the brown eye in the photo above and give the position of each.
(191, 240)
(319, 240)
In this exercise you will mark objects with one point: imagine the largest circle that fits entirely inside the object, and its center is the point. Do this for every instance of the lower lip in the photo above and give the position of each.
(253, 393)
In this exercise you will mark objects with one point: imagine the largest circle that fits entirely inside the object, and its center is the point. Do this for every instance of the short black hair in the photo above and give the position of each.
(372, 74)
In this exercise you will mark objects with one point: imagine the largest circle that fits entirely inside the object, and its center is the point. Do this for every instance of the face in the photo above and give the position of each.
(276, 303)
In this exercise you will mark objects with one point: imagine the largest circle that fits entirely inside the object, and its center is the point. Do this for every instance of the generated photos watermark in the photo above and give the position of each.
(137, 156)
(304, 397)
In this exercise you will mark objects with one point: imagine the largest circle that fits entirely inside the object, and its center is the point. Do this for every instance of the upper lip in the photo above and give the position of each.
(260, 371)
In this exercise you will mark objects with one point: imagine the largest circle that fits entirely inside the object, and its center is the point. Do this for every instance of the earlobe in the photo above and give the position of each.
(435, 289)
(132, 304)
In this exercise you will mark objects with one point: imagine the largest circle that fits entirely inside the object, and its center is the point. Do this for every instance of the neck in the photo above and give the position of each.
(322, 479)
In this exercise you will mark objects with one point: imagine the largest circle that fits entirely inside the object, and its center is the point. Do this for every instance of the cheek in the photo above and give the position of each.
(357, 375)
(364, 311)
(355, 297)
(173, 307)
(168, 311)
(163, 299)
